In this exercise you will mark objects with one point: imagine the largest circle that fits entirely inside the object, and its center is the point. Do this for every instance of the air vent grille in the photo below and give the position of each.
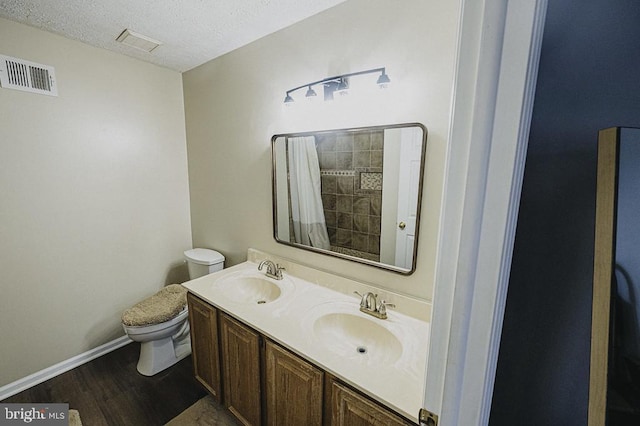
(27, 76)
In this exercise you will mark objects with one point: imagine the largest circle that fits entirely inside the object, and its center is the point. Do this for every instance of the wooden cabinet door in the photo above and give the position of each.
(351, 409)
(293, 389)
(241, 370)
(203, 320)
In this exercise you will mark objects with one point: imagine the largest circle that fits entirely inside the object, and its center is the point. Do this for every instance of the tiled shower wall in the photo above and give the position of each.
(351, 170)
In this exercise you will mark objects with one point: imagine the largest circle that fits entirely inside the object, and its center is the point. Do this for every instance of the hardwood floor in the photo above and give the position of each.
(109, 391)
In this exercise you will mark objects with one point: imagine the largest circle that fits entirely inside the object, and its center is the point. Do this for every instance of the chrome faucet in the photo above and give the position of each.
(369, 305)
(273, 270)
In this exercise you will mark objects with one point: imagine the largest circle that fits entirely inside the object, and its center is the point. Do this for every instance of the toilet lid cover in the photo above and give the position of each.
(162, 306)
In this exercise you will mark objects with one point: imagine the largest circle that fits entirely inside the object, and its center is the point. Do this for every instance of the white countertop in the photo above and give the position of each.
(394, 379)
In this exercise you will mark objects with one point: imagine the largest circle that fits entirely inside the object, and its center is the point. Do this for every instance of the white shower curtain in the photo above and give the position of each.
(309, 226)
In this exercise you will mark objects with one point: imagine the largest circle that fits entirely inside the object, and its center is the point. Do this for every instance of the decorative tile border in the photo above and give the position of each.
(337, 172)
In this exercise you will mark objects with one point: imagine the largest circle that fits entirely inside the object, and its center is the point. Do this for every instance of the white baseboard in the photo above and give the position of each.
(40, 376)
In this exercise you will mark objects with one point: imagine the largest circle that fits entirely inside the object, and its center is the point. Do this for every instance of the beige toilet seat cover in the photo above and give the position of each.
(162, 306)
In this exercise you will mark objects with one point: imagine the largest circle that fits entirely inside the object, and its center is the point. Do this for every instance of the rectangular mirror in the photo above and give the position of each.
(351, 193)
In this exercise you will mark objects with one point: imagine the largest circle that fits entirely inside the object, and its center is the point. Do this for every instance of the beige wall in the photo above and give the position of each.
(233, 106)
(94, 203)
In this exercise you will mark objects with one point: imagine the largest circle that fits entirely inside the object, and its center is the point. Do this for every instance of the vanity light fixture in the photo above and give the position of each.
(310, 93)
(337, 85)
(383, 80)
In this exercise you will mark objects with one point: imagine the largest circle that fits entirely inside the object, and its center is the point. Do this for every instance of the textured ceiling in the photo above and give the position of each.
(192, 31)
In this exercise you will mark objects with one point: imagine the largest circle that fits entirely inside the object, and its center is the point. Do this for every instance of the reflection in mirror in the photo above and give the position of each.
(351, 193)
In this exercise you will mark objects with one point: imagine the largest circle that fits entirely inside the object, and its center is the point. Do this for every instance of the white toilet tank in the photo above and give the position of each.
(203, 261)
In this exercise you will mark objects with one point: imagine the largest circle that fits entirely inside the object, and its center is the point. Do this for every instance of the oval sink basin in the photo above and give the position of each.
(250, 290)
(354, 336)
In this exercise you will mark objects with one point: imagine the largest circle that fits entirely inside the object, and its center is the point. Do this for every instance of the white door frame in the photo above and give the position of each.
(497, 64)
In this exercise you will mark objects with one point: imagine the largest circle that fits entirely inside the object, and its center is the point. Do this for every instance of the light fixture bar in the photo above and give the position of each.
(338, 80)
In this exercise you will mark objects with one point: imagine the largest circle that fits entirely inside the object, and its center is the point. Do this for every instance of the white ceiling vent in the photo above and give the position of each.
(27, 76)
(138, 41)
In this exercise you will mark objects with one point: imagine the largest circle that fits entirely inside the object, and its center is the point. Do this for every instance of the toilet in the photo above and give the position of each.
(161, 322)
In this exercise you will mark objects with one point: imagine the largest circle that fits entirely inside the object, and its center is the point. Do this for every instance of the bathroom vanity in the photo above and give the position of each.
(299, 350)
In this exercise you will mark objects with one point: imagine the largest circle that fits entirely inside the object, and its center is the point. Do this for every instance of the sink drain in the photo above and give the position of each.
(261, 302)
(362, 349)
